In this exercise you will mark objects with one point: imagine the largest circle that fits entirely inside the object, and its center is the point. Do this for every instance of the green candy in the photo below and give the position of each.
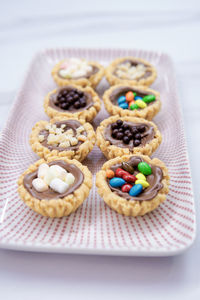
(134, 106)
(149, 98)
(144, 168)
(134, 93)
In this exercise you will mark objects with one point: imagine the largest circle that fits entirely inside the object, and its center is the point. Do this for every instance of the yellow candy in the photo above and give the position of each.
(140, 176)
(144, 183)
(140, 103)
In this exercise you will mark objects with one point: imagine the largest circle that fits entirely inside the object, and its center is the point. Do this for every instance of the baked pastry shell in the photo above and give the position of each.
(111, 151)
(113, 79)
(44, 152)
(123, 206)
(56, 208)
(146, 113)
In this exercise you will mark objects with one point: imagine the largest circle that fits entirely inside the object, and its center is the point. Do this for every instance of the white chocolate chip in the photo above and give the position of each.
(41, 138)
(73, 141)
(58, 185)
(69, 178)
(64, 144)
(42, 170)
(39, 185)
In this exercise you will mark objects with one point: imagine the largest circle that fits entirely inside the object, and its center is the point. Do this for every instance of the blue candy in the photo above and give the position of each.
(121, 100)
(117, 182)
(124, 105)
(138, 98)
(135, 190)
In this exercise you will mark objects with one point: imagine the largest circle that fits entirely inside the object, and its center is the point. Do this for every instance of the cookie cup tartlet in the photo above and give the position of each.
(91, 80)
(87, 114)
(131, 207)
(78, 152)
(146, 113)
(145, 77)
(58, 207)
(111, 151)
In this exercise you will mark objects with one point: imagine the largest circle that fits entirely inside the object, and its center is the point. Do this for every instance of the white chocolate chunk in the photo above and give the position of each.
(64, 144)
(39, 185)
(42, 170)
(80, 129)
(73, 141)
(41, 138)
(58, 185)
(58, 171)
(69, 178)
(82, 138)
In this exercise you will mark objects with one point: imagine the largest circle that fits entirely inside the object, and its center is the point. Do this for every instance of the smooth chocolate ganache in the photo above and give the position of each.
(70, 99)
(50, 194)
(88, 75)
(128, 135)
(121, 91)
(135, 62)
(70, 124)
(154, 180)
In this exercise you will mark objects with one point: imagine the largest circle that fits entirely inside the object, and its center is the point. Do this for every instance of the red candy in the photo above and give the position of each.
(126, 187)
(129, 178)
(120, 173)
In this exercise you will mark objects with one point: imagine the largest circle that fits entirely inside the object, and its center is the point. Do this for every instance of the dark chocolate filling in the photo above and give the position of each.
(135, 62)
(50, 194)
(88, 75)
(70, 124)
(121, 91)
(53, 98)
(154, 180)
(146, 136)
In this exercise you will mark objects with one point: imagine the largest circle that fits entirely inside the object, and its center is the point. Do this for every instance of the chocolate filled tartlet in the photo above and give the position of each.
(130, 70)
(77, 71)
(125, 100)
(55, 187)
(72, 101)
(127, 135)
(133, 185)
(70, 138)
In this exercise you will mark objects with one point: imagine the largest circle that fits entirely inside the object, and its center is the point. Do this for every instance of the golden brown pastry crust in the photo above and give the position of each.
(86, 115)
(123, 206)
(44, 152)
(146, 113)
(56, 208)
(113, 79)
(111, 151)
(92, 81)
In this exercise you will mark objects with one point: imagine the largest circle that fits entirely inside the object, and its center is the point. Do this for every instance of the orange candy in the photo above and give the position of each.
(110, 173)
(132, 102)
(129, 96)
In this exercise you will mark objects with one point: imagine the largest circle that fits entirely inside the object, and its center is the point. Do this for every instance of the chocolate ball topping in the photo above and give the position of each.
(75, 98)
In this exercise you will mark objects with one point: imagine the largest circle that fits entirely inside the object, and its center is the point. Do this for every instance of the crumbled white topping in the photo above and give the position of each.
(127, 71)
(74, 68)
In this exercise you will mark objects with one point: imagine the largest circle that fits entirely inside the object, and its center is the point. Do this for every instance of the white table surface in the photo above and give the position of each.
(170, 26)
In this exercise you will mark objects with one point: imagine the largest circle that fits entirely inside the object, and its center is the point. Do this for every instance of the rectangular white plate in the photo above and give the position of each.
(94, 228)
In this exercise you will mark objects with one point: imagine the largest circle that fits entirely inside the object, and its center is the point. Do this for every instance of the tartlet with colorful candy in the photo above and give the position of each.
(133, 185)
(72, 101)
(55, 187)
(71, 138)
(118, 136)
(130, 70)
(126, 100)
(77, 71)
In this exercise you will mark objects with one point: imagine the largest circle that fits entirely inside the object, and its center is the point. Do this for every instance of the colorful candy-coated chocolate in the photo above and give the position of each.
(135, 190)
(134, 106)
(129, 178)
(121, 100)
(149, 98)
(131, 103)
(144, 183)
(124, 105)
(135, 94)
(126, 188)
(110, 173)
(140, 176)
(116, 182)
(127, 167)
(138, 98)
(120, 172)
(129, 96)
(140, 103)
(144, 168)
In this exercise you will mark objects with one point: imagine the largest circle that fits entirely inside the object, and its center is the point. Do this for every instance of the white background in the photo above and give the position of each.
(170, 26)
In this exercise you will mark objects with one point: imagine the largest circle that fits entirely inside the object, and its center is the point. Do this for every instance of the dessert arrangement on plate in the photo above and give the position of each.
(130, 182)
